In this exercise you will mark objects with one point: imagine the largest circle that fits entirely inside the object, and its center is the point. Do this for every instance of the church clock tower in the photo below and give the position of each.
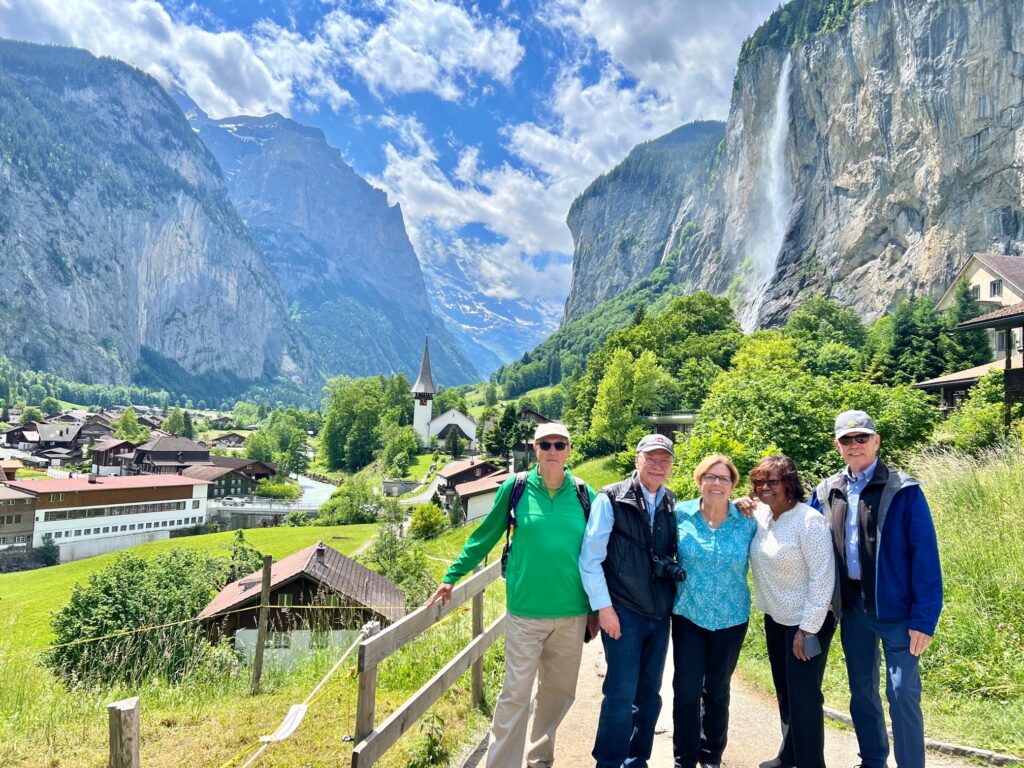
(423, 392)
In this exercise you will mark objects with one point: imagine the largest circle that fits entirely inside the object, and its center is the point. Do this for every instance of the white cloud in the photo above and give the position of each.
(684, 51)
(220, 70)
(425, 45)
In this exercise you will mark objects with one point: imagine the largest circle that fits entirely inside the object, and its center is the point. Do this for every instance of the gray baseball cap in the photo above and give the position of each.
(654, 442)
(854, 421)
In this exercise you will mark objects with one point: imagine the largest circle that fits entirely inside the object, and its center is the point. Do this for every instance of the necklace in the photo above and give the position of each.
(712, 523)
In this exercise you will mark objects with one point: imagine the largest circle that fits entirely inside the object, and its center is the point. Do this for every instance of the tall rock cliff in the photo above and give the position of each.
(624, 221)
(339, 251)
(868, 153)
(119, 247)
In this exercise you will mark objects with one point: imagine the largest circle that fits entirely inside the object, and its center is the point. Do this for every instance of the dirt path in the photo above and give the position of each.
(753, 726)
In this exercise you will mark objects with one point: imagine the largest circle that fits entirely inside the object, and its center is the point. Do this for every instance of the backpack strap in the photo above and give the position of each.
(583, 494)
(513, 500)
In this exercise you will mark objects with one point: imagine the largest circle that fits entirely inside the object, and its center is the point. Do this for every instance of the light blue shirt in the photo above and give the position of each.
(715, 594)
(595, 544)
(855, 485)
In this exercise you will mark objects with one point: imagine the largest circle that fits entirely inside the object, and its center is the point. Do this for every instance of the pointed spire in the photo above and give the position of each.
(424, 382)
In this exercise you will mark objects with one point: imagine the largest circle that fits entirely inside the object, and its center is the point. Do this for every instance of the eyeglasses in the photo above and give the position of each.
(771, 482)
(546, 445)
(657, 462)
(720, 479)
(850, 439)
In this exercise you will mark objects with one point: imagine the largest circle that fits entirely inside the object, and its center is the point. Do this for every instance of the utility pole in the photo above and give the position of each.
(261, 634)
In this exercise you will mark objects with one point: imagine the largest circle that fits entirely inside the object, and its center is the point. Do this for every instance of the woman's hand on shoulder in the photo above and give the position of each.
(746, 506)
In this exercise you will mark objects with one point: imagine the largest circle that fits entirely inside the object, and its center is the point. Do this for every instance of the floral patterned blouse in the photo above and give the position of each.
(715, 594)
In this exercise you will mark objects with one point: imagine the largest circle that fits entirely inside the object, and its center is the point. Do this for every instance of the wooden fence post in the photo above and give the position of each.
(366, 704)
(124, 722)
(477, 670)
(261, 633)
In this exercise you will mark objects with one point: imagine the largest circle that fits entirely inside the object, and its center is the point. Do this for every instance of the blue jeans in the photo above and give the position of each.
(861, 630)
(632, 691)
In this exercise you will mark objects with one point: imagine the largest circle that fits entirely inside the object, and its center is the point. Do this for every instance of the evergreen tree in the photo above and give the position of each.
(188, 429)
(490, 394)
(967, 348)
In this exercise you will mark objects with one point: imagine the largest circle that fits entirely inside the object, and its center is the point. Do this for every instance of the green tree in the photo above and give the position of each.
(50, 406)
(47, 553)
(490, 395)
(130, 593)
(456, 512)
(453, 443)
(188, 429)
(977, 423)
(295, 455)
(127, 427)
(966, 348)
(31, 413)
(175, 423)
(245, 559)
(427, 522)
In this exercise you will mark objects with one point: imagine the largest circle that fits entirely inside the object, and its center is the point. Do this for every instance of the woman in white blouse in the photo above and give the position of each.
(794, 572)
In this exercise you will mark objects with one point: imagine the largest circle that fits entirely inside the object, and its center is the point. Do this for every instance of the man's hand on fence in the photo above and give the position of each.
(444, 594)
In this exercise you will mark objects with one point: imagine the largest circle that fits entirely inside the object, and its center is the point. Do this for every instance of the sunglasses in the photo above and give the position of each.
(771, 482)
(547, 445)
(850, 439)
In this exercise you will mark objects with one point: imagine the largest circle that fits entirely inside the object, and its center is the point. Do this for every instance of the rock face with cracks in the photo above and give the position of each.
(118, 242)
(903, 153)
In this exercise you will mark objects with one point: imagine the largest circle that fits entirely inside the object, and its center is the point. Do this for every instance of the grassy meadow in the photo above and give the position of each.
(210, 719)
(973, 672)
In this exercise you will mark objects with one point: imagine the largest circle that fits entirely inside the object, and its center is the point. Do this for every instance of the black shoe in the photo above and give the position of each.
(775, 763)
(710, 765)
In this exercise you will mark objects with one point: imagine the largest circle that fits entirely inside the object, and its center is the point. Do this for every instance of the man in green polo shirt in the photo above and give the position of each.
(547, 606)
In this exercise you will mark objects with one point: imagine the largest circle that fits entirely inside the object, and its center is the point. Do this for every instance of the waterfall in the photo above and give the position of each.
(777, 192)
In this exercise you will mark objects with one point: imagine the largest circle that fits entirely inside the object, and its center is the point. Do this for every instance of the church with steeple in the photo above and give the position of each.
(424, 422)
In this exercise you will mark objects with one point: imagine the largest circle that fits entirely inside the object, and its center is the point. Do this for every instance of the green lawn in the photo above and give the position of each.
(206, 722)
(29, 597)
(598, 472)
(419, 467)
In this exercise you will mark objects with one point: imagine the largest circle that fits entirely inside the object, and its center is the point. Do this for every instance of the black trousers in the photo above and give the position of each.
(704, 661)
(798, 691)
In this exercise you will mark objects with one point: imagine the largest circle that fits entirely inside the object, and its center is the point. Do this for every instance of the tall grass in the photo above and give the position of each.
(973, 672)
(208, 717)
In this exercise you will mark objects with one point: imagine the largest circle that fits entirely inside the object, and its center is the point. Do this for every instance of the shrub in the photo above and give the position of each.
(130, 594)
(427, 521)
(354, 502)
(283, 490)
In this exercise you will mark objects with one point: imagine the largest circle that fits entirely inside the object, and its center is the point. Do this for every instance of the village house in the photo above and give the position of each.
(257, 470)
(9, 469)
(477, 496)
(228, 440)
(17, 518)
(459, 472)
(23, 437)
(221, 422)
(224, 481)
(996, 281)
(97, 426)
(165, 455)
(424, 423)
(315, 576)
(87, 516)
(109, 455)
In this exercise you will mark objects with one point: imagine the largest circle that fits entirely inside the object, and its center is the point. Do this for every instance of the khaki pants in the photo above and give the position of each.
(549, 651)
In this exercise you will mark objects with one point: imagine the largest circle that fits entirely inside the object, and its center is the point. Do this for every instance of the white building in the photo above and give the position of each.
(106, 510)
(423, 420)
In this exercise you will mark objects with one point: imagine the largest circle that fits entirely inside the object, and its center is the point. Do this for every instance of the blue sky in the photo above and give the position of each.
(483, 120)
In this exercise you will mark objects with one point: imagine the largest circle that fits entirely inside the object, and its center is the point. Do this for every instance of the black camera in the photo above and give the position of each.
(667, 568)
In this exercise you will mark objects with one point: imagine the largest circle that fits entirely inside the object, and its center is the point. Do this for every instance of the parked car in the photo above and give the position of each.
(232, 501)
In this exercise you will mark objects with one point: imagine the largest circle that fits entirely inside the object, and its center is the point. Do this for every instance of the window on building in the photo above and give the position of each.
(131, 527)
(124, 527)
(3, 540)
(21, 539)
(195, 504)
(995, 288)
(58, 535)
(285, 601)
(280, 640)
(56, 497)
(334, 601)
(975, 292)
(106, 529)
(78, 532)
(1001, 341)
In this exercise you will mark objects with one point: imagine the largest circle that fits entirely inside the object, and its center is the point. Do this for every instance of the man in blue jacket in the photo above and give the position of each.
(888, 588)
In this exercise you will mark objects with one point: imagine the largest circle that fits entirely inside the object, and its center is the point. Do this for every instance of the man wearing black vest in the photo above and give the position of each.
(888, 588)
(630, 575)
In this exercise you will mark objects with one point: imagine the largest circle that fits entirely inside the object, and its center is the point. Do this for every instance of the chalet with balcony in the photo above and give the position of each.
(223, 481)
(996, 281)
(166, 455)
(257, 470)
(17, 518)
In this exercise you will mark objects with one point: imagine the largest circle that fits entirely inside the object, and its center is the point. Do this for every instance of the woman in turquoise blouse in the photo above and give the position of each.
(709, 619)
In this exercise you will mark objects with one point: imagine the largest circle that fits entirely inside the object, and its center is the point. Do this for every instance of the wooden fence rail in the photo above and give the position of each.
(374, 742)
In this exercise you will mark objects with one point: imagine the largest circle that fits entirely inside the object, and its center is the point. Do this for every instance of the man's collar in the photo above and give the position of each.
(866, 475)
